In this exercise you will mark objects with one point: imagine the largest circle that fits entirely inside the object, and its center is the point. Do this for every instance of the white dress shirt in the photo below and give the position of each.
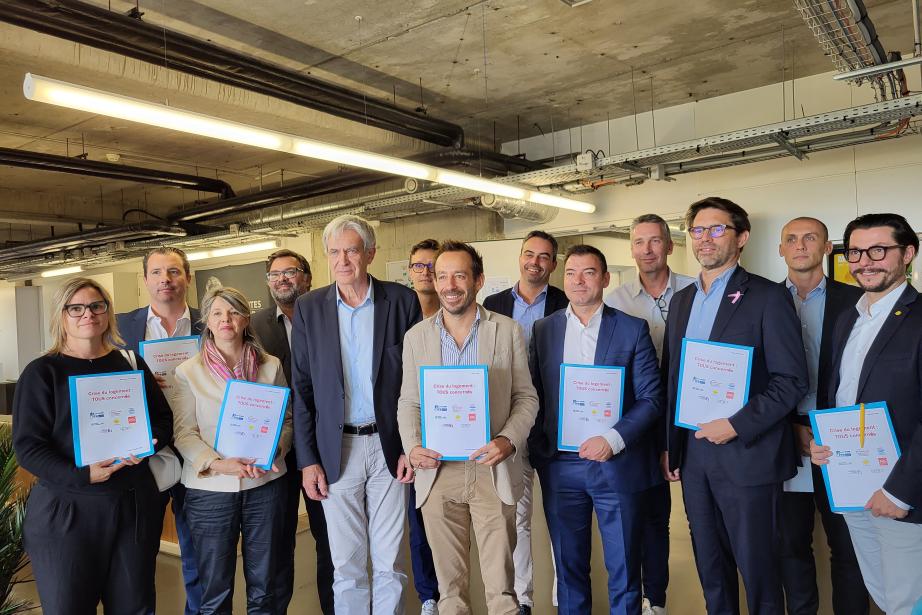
(156, 330)
(864, 332)
(287, 321)
(579, 344)
(633, 299)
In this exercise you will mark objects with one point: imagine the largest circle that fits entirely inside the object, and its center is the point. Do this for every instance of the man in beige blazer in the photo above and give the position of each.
(481, 492)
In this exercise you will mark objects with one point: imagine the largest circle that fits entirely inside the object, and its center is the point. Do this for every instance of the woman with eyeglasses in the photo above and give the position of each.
(227, 498)
(92, 533)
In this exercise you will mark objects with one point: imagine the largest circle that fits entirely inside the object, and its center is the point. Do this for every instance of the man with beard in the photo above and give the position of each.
(877, 356)
(529, 300)
(819, 302)
(648, 296)
(481, 493)
(167, 276)
(288, 275)
(732, 469)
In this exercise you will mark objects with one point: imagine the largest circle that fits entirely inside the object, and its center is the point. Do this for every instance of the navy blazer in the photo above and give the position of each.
(764, 318)
(133, 326)
(892, 372)
(316, 358)
(623, 341)
(269, 329)
(503, 301)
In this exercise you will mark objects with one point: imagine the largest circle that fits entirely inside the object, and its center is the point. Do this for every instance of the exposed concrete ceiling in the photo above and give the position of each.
(499, 68)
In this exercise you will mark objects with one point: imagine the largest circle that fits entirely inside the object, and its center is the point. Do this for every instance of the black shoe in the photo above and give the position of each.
(524, 610)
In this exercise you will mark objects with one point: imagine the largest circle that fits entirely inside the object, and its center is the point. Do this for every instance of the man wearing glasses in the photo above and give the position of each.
(422, 262)
(819, 302)
(288, 275)
(732, 469)
(531, 299)
(877, 356)
(648, 296)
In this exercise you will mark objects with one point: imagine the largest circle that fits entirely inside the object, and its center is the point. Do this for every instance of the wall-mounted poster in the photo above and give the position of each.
(838, 266)
(249, 279)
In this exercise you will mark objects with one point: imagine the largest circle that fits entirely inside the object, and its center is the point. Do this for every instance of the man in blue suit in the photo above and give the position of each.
(732, 469)
(611, 470)
(167, 277)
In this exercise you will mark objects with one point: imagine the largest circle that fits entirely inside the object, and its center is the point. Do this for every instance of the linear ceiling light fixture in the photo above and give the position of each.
(52, 91)
(51, 273)
(233, 250)
(870, 71)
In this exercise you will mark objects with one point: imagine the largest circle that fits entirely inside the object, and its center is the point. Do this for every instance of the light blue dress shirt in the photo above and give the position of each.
(810, 311)
(704, 309)
(451, 354)
(356, 343)
(527, 314)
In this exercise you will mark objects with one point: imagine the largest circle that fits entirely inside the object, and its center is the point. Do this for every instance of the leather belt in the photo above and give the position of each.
(361, 430)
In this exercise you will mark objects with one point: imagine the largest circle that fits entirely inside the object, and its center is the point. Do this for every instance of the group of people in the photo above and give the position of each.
(352, 442)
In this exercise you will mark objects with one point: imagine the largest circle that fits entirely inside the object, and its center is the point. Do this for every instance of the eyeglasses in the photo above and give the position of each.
(663, 306)
(288, 274)
(715, 230)
(420, 267)
(77, 310)
(875, 253)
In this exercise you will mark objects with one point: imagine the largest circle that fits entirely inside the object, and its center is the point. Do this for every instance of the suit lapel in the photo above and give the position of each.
(606, 334)
(330, 324)
(896, 317)
(679, 312)
(556, 337)
(141, 323)
(841, 332)
(728, 306)
(486, 338)
(382, 309)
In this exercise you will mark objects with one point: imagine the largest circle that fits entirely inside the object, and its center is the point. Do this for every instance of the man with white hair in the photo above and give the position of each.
(346, 370)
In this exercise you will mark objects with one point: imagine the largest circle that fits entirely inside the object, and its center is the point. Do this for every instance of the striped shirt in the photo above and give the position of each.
(467, 353)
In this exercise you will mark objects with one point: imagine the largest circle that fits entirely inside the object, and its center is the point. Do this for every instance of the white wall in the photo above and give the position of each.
(834, 186)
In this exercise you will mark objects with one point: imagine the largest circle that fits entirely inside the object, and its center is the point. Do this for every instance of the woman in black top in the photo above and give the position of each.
(92, 533)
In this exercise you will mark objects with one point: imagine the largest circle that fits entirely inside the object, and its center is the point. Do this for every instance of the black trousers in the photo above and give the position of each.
(732, 527)
(798, 567)
(218, 520)
(285, 576)
(88, 548)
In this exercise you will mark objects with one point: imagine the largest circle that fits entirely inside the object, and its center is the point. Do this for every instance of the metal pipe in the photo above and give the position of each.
(870, 71)
(93, 237)
(97, 27)
(79, 166)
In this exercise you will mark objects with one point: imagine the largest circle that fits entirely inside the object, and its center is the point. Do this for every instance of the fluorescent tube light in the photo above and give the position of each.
(51, 273)
(232, 251)
(52, 91)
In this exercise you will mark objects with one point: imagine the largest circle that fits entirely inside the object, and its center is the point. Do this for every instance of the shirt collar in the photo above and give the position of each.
(719, 282)
(538, 298)
(278, 312)
(369, 296)
(883, 305)
(151, 315)
(593, 320)
(820, 288)
(440, 323)
(636, 286)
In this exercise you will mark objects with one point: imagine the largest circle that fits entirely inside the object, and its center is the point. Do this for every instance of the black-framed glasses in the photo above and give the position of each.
(77, 310)
(663, 306)
(875, 253)
(288, 274)
(420, 267)
(715, 230)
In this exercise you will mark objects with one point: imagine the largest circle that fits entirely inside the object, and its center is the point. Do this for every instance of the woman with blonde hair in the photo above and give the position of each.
(92, 533)
(229, 497)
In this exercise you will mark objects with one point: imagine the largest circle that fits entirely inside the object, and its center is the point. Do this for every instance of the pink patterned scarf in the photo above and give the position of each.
(245, 370)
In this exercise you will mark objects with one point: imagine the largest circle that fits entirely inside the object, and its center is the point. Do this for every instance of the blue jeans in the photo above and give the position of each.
(424, 580)
(218, 519)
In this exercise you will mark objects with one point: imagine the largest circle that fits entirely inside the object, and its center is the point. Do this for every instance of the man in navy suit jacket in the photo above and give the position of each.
(877, 356)
(610, 470)
(346, 370)
(732, 469)
(167, 277)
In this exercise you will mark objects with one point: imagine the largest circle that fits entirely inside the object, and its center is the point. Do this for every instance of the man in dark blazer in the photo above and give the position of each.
(732, 469)
(819, 301)
(167, 276)
(611, 470)
(529, 300)
(346, 377)
(288, 275)
(877, 356)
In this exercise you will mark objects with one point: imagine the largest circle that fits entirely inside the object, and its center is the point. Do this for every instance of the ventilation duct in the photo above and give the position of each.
(514, 208)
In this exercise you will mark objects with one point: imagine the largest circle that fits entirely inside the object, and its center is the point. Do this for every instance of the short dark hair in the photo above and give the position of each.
(546, 237)
(425, 244)
(450, 245)
(653, 219)
(285, 253)
(902, 232)
(165, 250)
(582, 249)
(809, 219)
(738, 216)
